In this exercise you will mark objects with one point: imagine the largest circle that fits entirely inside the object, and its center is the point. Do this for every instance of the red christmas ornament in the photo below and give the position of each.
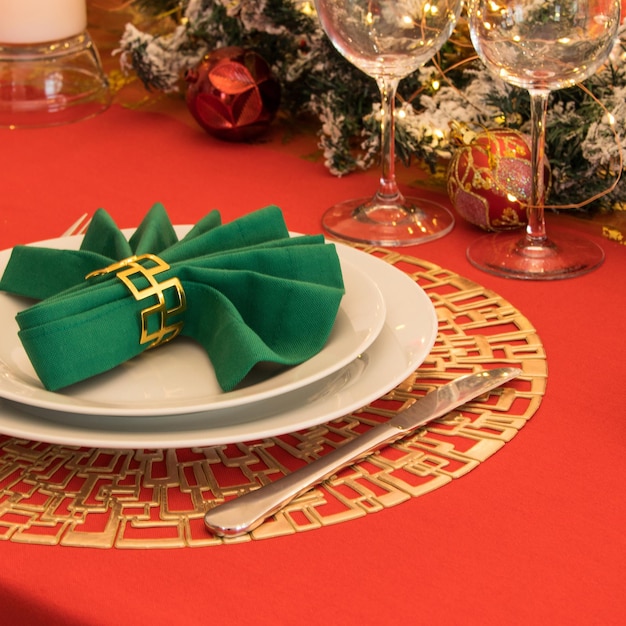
(489, 178)
(232, 94)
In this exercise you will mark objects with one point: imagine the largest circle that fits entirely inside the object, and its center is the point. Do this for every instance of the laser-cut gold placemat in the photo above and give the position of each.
(54, 494)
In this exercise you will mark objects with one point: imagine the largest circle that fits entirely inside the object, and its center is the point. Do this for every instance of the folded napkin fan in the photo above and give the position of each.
(253, 294)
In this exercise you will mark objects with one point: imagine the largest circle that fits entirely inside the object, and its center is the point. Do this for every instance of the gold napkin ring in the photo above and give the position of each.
(132, 267)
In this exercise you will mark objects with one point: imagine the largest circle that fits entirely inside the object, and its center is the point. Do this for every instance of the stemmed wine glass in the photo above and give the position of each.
(388, 39)
(540, 45)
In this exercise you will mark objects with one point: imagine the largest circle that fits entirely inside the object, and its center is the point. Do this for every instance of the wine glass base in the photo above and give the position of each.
(511, 255)
(412, 222)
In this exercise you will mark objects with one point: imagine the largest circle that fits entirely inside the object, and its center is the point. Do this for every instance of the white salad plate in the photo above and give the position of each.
(179, 378)
(407, 336)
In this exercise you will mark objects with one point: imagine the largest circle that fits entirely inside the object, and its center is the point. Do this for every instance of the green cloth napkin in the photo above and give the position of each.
(253, 293)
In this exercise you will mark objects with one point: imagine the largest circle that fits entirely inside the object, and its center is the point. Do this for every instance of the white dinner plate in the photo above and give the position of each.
(179, 378)
(408, 334)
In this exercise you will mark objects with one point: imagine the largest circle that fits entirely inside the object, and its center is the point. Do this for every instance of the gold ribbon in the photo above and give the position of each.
(143, 269)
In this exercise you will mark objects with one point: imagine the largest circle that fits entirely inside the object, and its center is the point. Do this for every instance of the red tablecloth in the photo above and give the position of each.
(534, 535)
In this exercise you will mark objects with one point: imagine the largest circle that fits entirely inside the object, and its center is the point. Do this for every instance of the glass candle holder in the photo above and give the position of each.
(50, 70)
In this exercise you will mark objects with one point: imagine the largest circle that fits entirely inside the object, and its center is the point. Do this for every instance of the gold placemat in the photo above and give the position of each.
(69, 496)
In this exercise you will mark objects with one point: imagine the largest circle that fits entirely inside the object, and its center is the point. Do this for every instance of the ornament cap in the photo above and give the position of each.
(461, 134)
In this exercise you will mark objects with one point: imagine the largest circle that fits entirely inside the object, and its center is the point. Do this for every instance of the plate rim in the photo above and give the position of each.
(17, 423)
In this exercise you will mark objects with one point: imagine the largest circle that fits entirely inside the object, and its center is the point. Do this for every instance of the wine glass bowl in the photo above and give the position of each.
(388, 40)
(541, 47)
(535, 47)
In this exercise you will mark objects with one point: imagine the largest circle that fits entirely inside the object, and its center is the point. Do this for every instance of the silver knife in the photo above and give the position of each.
(243, 514)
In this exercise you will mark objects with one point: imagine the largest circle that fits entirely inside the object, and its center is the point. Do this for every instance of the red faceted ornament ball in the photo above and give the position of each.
(489, 179)
(232, 94)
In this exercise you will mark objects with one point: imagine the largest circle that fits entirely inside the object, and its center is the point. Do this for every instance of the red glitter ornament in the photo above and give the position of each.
(489, 178)
(232, 94)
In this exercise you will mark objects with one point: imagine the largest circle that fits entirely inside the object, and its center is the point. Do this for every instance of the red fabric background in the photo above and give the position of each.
(534, 535)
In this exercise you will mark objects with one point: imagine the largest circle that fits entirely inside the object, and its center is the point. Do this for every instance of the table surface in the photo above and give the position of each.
(533, 535)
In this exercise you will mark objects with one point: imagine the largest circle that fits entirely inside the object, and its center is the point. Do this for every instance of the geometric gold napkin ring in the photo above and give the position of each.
(131, 267)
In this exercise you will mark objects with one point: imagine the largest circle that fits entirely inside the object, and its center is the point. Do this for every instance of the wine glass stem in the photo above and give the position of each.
(388, 189)
(536, 228)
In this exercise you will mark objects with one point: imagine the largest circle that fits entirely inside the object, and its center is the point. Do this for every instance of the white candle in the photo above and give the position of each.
(37, 21)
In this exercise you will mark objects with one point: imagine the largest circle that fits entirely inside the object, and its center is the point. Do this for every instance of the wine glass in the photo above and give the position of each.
(540, 46)
(387, 40)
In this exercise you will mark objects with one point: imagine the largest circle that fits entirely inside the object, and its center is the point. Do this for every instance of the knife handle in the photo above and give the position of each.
(243, 514)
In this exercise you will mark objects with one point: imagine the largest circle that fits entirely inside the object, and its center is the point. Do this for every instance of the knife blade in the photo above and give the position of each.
(245, 513)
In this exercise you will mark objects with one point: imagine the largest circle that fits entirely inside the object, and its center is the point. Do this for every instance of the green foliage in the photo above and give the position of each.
(315, 79)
